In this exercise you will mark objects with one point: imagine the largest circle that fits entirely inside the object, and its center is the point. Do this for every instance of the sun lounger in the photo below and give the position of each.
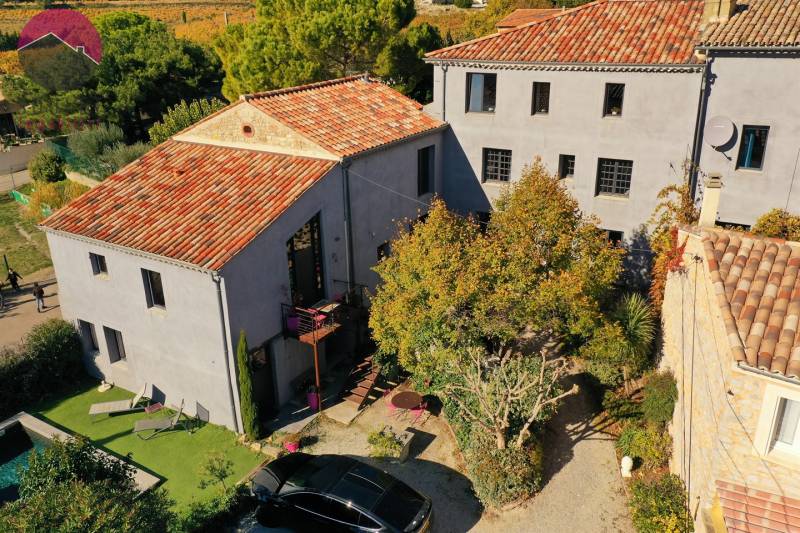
(120, 406)
(157, 425)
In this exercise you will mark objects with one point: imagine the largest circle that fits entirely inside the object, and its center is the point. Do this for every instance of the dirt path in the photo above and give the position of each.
(19, 314)
(583, 490)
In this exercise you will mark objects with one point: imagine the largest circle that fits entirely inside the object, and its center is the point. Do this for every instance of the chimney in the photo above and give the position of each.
(710, 207)
(718, 10)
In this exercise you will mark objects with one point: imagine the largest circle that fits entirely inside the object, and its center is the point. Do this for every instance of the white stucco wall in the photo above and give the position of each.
(655, 131)
(178, 350)
(756, 90)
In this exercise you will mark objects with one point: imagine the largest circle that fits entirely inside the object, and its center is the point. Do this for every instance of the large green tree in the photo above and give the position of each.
(299, 41)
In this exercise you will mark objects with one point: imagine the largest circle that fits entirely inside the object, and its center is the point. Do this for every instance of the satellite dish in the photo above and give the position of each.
(718, 131)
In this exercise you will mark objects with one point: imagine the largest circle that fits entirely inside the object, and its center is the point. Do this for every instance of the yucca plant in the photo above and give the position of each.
(635, 315)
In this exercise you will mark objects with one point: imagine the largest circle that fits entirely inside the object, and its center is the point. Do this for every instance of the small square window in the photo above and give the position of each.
(153, 290)
(752, 147)
(787, 437)
(615, 238)
(612, 105)
(614, 177)
(116, 348)
(566, 166)
(98, 264)
(88, 335)
(541, 98)
(425, 170)
(496, 164)
(481, 92)
(384, 250)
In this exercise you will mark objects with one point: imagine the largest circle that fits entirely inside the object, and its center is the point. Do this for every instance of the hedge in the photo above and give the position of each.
(48, 361)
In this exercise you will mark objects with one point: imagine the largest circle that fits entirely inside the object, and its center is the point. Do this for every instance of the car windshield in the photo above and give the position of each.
(399, 506)
(358, 490)
(319, 473)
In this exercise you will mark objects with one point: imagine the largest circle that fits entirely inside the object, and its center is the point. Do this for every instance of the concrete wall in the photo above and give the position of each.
(178, 350)
(756, 90)
(725, 402)
(655, 132)
(17, 157)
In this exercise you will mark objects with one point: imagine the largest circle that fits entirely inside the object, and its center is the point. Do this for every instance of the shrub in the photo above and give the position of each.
(646, 442)
(463, 4)
(181, 116)
(117, 156)
(52, 196)
(660, 393)
(48, 361)
(778, 223)
(216, 513)
(250, 420)
(384, 444)
(620, 407)
(659, 506)
(503, 476)
(47, 166)
(92, 142)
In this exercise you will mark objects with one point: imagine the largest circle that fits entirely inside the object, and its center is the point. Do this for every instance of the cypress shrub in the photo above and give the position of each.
(252, 427)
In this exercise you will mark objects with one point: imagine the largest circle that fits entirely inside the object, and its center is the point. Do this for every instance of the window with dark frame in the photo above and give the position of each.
(153, 289)
(496, 164)
(481, 92)
(752, 147)
(566, 166)
(426, 158)
(541, 98)
(616, 238)
(614, 176)
(116, 348)
(384, 250)
(98, 264)
(612, 104)
(88, 334)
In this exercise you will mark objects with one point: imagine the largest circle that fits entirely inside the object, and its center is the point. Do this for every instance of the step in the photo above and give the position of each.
(360, 390)
(355, 399)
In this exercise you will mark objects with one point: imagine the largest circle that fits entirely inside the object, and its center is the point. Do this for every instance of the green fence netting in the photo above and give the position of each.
(91, 168)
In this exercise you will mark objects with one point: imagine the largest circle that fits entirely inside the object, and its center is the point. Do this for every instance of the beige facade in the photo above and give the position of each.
(723, 422)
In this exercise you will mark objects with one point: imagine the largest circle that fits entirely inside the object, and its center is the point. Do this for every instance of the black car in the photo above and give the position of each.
(336, 493)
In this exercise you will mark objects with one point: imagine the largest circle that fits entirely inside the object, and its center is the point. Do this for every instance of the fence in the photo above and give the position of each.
(24, 199)
(92, 168)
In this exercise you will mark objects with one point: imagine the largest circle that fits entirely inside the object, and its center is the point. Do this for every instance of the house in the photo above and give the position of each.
(732, 340)
(615, 97)
(282, 201)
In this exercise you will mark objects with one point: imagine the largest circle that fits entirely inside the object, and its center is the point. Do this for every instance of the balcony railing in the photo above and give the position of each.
(308, 325)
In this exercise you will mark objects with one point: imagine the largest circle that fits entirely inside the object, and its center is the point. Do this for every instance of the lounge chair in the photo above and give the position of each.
(157, 425)
(137, 403)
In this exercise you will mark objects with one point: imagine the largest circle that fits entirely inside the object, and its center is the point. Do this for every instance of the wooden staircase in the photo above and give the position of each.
(361, 382)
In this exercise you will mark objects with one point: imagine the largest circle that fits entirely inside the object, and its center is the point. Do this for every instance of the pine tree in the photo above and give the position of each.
(250, 421)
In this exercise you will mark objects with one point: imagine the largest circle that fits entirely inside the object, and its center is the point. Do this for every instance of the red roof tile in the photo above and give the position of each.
(518, 17)
(757, 284)
(748, 509)
(346, 116)
(626, 32)
(195, 203)
(757, 23)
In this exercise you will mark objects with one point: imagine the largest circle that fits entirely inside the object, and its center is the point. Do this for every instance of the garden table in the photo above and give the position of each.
(407, 400)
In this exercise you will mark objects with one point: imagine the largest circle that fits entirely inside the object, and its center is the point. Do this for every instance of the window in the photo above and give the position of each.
(153, 290)
(787, 436)
(541, 98)
(342, 512)
(566, 166)
(481, 92)
(496, 164)
(98, 264)
(614, 176)
(752, 147)
(612, 104)
(614, 237)
(88, 335)
(116, 348)
(426, 158)
(384, 250)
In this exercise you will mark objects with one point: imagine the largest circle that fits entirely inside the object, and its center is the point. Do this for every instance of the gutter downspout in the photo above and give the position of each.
(348, 223)
(217, 279)
(702, 105)
(444, 92)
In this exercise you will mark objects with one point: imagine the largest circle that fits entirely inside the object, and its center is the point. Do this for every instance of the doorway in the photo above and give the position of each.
(304, 254)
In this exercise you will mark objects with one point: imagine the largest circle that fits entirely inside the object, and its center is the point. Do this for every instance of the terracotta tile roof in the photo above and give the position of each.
(347, 116)
(757, 284)
(518, 17)
(747, 509)
(757, 23)
(195, 203)
(651, 32)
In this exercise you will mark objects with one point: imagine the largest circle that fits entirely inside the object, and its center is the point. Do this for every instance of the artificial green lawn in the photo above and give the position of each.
(176, 456)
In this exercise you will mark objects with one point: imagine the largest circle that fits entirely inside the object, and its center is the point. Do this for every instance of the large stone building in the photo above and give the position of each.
(280, 201)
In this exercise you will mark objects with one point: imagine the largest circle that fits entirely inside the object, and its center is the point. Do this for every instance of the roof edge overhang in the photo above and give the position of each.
(743, 366)
(394, 143)
(752, 49)
(127, 250)
(600, 67)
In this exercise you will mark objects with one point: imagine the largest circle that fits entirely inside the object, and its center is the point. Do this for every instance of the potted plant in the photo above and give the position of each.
(291, 442)
(312, 395)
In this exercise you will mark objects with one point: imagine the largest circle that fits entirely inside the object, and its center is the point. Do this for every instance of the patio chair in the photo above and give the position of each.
(418, 412)
(120, 406)
(157, 425)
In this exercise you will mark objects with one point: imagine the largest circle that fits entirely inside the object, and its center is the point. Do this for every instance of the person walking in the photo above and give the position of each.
(38, 293)
(13, 278)
(2, 301)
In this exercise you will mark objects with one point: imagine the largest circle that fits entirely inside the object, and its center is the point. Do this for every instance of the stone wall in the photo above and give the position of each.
(716, 417)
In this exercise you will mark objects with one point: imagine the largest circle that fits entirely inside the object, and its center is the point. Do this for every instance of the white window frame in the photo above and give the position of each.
(764, 441)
